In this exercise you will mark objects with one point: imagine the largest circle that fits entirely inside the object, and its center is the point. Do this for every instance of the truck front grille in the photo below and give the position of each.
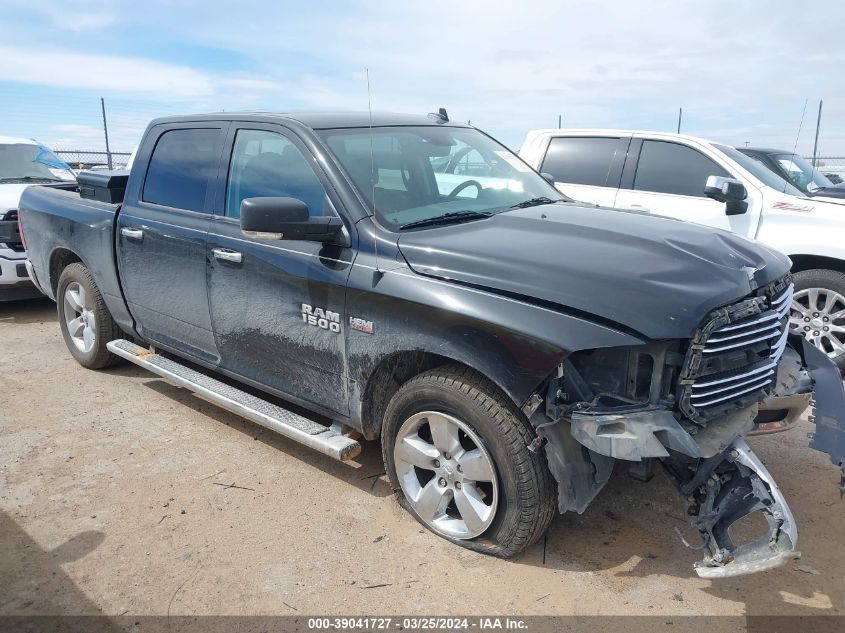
(733, 357)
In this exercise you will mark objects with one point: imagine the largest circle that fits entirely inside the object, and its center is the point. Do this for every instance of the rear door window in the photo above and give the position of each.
(181, 167)
(595, 161)
(666, 167)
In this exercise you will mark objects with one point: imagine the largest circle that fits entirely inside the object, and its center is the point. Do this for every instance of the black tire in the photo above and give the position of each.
(829, 280)
(527, 497)
(106, 329)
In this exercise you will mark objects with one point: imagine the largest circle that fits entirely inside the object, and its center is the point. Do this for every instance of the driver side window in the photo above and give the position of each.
(666, 167)
(268, 164)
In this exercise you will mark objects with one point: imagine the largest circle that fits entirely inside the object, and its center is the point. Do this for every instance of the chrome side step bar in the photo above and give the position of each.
(326, 440)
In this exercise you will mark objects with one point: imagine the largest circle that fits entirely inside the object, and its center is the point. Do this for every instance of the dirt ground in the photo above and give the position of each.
(122, 494)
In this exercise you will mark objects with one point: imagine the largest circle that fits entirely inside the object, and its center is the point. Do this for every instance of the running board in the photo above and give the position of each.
(326, 440)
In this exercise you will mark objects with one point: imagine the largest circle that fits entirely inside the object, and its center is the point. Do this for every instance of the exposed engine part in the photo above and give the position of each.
(634, 435)
(726, 489)
(580, 473)
(790, 396)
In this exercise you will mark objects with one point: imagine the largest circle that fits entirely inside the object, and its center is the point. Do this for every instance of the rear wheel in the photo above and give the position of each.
(86, 323)
(455, 449)
(818, 311)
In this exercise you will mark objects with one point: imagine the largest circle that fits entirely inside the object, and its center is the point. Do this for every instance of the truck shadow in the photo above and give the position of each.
(364, 472)
(40, 310)
(33, 580)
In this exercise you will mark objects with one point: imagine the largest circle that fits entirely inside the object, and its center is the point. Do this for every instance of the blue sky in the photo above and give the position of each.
(741, 71)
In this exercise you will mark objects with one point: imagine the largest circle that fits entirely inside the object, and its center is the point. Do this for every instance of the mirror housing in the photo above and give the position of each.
(728, 190)
(275, 218)
(548, 178)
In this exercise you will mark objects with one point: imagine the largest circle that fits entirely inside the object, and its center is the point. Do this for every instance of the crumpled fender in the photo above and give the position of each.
(828, 407)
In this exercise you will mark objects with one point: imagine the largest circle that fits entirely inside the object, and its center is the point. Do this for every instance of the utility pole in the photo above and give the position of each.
(816, 143)
(559, 120)
(106, 132)
(680, 116)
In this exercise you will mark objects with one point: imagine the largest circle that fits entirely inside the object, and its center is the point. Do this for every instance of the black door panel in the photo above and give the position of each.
(261, 293)
(162, 238)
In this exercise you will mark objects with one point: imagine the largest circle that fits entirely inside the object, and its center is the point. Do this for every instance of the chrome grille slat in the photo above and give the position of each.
(709, 392)
(768, 316)
(735, 394)
(731, 337)
(719, 381)
(725, 348)
(760, 337)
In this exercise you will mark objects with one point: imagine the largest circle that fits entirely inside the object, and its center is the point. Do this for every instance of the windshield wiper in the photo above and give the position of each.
(534, 202)
(455, 217)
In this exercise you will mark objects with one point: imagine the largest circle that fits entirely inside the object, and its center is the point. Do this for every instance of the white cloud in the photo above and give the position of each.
(101, 72)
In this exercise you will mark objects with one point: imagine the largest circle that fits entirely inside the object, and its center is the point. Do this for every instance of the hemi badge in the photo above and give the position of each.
(362, 325)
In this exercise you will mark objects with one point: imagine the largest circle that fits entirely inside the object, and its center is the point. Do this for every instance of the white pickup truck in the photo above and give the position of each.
(700, 181)
(23, 162)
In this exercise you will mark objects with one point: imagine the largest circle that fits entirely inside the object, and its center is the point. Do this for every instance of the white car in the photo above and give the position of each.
(23, 162)
(700, 181)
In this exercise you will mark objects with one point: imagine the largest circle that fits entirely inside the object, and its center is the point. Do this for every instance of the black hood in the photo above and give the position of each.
(655, 275)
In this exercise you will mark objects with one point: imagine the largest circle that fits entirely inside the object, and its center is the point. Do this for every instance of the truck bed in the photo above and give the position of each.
(60, 226)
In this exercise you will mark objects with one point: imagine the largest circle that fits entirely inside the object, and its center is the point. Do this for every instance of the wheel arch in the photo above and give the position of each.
(60, 259)
(393, 371)
(810, 262)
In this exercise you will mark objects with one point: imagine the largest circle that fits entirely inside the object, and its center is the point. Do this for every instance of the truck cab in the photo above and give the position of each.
(667, 174)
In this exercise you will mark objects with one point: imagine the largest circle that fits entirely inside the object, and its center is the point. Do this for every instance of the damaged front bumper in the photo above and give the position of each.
(712, 464)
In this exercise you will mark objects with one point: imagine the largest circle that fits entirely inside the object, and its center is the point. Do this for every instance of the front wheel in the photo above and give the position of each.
(818, 311)
(86, 323)
(455, 450)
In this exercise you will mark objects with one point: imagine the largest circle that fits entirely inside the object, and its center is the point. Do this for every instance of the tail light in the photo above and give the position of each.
(20, 230)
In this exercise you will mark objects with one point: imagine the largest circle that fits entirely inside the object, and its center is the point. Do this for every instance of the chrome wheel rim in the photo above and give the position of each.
(447, 475)
(819, 315)
(79, 318)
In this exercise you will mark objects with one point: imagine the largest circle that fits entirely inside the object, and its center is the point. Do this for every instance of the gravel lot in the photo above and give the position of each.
(121, 494)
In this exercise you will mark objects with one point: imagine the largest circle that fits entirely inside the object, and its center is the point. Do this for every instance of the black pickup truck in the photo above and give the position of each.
(409, 279)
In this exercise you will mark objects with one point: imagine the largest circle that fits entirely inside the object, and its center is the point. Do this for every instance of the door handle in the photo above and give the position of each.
(132, 234)
(639, 207)
(225, 255)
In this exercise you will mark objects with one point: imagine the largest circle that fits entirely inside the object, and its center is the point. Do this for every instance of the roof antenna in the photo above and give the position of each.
(378, 272)
(441, 116)
(795, 146)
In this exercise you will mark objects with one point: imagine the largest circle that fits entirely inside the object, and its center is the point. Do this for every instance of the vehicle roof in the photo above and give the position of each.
(765, 150)
(618, 132)
(318, 120)
(16, 140)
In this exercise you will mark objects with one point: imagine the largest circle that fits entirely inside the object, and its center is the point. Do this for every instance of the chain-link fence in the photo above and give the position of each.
(828, 165)
(89, 159)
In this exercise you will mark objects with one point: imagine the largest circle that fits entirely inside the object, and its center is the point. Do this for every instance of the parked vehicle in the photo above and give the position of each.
(22, 162)
(798, 171)
(669, 174)
(505, 344)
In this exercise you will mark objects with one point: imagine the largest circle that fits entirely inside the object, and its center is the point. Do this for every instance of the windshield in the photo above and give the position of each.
(760, 171)
(801, 173)
(23, 162)
(411, 175)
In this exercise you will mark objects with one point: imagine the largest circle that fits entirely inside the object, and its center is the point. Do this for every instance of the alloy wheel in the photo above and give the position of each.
(79, 317)
(447, 475)
(819, 315)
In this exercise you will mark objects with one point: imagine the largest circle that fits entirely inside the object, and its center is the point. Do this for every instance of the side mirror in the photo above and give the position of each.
(285, 219)
(728, 190)
(548, 178)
